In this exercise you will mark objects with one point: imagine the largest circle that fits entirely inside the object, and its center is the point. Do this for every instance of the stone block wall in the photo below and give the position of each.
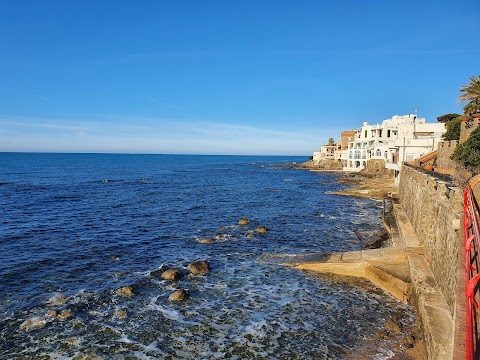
(434, 208)
(467, 128)
(444, 152)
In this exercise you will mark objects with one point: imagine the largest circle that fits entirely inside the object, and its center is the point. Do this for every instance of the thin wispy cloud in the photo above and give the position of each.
(154, 135)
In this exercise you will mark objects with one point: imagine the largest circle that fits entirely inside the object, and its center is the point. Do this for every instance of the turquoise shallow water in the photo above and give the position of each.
(84, 225)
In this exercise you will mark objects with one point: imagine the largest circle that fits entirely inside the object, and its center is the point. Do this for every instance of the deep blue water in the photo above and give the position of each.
(84, 225)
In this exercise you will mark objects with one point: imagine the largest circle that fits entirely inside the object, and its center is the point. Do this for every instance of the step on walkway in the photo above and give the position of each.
(400, 270)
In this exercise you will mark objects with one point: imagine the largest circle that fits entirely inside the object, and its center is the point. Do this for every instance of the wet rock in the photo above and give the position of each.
(199, 267)
(261, 230)
(206, 241)
(32, 323)
(250, 236)
(224, 228)
(393, 326)
(381, 335)
(243, 221)
(57, 300)
(222, 236)
(94, 313)
(171, 274)
(120, 314)
(126, 291)
(65, 314)
(178, 295)
(51, 313)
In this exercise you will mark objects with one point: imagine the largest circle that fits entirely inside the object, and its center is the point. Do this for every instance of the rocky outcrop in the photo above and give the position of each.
(126, 291)
(57, 300)
(33, 323)
(261, 230)
(65, 314)
(171, 274)
(199, 268)
(120, 314)
(178, 295)
(243, 221)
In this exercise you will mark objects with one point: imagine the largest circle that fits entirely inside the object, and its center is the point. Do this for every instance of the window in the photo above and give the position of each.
(378, 152)
(366, 133)
(388, 133)
(380, 133)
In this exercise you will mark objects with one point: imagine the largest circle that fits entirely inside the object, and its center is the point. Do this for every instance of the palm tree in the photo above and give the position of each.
(471, 95)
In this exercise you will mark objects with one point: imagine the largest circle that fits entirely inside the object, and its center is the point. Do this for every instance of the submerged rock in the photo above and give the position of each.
(171, 274)
(206, 241)
(243, 221)
(57, 300)
(33, 323)
(393, 326)
(65, 314)
(199, 267)
(178, 295)
(120, 314)
(126, 291)
(250, 236)
(51, 313)
(261, 230)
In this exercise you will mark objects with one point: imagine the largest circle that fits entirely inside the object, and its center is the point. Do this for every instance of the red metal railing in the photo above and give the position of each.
(472, 269)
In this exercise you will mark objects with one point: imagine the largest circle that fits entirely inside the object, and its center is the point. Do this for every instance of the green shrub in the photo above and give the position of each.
(468, 153)
(453, 129)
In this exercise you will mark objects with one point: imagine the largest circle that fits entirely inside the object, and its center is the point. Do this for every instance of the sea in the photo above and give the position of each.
(75, 228)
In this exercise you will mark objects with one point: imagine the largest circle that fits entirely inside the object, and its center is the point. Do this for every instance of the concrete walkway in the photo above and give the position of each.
(400, 270)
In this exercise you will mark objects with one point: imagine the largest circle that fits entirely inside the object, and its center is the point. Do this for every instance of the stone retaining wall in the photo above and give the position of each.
(444, 152)
(434, 208)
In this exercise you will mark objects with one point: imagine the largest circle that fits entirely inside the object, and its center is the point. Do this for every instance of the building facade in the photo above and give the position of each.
(394, 141)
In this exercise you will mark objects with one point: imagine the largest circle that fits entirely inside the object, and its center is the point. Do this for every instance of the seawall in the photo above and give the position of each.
(434, 209)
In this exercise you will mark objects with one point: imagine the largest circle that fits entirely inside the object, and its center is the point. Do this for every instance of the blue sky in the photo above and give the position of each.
(224, 77)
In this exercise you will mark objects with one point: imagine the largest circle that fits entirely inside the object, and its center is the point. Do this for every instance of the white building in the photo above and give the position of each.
(327, 152)
(396, 140)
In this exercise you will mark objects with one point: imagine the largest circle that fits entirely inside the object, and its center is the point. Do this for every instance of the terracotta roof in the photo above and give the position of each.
(429, 156)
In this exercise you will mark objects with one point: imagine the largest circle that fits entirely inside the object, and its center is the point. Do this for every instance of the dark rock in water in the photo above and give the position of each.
(33, 323)
(65, 314)
(261, 230)
(199, 268)
(206, 241)
(178, 295)
(393, 326)
(250, 235)
(51, 313)
(171, 274)
(120, 314)
(126, 291)
(57, 300)
(243, 221)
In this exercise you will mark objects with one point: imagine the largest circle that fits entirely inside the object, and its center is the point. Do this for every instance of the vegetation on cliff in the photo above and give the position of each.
(453, 128)
(468, 153)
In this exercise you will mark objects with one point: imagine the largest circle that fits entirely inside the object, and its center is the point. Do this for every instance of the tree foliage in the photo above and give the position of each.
(468, 153)
(453, 129)
(470, 95)
(447, 117)
(331, 141)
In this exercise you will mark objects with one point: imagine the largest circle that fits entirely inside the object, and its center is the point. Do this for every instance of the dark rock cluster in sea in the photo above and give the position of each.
(231, 231)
